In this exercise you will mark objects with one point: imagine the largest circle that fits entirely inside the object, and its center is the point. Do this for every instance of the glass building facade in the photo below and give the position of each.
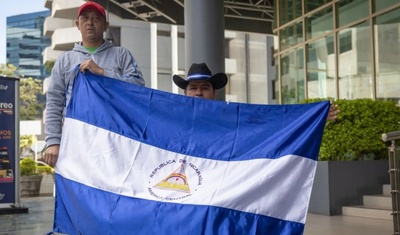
(342, 49)
(26, 43)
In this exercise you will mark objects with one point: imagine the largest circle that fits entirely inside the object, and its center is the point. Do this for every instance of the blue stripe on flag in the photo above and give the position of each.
(92, 211)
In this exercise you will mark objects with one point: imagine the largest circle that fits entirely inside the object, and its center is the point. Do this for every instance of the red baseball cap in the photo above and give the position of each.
(92, 6)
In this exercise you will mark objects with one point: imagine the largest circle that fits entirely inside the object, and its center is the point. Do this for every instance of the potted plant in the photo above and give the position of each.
(31, 178)
(353, 159)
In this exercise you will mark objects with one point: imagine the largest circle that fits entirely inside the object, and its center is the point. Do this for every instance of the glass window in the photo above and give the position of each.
(319, 23)
(314, 4)
(355, 77)
(345, 41)
(321, 69)
(380, 4)
(289, 10)
(292, 73)
(291, 35)
(352, 10)
(387, 51)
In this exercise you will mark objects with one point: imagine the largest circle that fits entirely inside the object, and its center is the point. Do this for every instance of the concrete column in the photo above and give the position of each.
(204, 36)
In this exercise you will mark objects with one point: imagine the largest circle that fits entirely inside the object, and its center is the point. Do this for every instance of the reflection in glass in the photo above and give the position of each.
(352, 10)
(380, 4)
(319, 23)
(312, 5)
(292, 73)
(291, 35)
(387, 50)
(321, 69)
(355, 74)
(289, 10)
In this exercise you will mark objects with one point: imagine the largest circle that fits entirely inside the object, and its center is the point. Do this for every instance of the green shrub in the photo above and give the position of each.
(357, 132)
(44, 170)
(28, 167)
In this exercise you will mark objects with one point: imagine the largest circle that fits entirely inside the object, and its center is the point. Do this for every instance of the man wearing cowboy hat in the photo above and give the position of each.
(200, 82)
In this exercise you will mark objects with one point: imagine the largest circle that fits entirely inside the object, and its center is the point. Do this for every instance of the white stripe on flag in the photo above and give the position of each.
(101, 159)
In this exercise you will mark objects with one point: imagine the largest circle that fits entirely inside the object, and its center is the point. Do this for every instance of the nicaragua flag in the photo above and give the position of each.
(134, 160)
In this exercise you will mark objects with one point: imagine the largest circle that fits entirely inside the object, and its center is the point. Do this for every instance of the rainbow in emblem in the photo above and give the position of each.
(176, 181)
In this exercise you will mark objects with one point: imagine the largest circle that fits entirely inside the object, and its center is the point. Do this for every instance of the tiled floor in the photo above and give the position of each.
(346, 225)
(39, 221)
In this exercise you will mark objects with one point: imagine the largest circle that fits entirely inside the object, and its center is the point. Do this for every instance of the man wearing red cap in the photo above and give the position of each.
(93, 54)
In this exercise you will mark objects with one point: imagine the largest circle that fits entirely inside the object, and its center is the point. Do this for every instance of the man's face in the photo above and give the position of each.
(201, 89)
(92, 25)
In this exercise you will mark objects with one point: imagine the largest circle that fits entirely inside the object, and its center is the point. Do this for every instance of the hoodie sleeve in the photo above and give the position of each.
(130, 71)
(55, 98)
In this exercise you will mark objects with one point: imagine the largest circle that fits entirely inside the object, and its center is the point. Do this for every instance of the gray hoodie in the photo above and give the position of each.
(117, 63)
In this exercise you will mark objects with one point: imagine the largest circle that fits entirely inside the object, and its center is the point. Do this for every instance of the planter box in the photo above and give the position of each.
(30, 185)
(343, 183)
(47, 186)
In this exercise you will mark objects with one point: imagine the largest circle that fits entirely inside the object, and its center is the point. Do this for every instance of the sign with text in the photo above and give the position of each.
(8, 138)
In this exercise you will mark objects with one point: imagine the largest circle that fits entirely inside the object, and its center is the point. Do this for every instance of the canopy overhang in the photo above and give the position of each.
(240, 15)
